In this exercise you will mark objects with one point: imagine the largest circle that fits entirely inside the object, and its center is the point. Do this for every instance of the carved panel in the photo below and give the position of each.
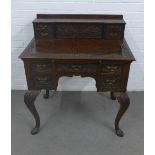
(43, 31)
(90, 31)
(42, 81)
(111, 69)
(110, 83)
(90, 28)
(66, 30)
(114, 31)
(79, 31)
(41, 67)
(89, 68)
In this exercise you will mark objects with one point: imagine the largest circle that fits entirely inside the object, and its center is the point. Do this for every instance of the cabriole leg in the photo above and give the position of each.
(46, 95)
(124, 102)
(29, 99)
(112, 96)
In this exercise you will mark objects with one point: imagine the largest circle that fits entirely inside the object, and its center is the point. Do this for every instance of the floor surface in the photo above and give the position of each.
(77, 123)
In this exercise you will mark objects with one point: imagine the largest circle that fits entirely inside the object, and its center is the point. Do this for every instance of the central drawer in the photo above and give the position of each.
(77, 67)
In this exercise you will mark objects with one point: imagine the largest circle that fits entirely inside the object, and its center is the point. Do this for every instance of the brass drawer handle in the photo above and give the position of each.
(113, 34)
(43, 26)
(41, 66)
(42, 78)
(112, 68)
(110, 81)
(76, 67)
(44, 34)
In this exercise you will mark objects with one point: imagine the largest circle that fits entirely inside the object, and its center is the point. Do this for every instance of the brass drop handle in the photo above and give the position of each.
(76, 67)
(40, 66)
(43, 34)
(43, 26)
(112, 68)
(113, 34)
(110, 81)
(42, 78)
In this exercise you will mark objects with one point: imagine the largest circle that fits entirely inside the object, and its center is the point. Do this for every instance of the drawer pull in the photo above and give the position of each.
(40, 66)
(76, 68)
(44, 34)
(43, 26)
(114, 34)
(110, 82)
(42, 78)
(112, 68)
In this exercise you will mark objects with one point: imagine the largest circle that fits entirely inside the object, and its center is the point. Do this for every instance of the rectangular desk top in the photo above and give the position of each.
(31, 52)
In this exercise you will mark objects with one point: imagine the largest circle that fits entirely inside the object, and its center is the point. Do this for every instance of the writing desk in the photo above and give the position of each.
(86, 45)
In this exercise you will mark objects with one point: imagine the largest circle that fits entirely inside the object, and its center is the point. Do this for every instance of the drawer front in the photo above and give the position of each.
(111, 69)
(66, 30)
(90, 31)
(43, 31)
(79, 31)
(74, 30)
(41, 75)
(114, 31)
(114, 27)
(71, 67)
(42, 81)
(41, 67)
(108, 83)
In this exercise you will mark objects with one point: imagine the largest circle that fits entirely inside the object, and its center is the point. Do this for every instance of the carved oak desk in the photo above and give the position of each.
(85, 45)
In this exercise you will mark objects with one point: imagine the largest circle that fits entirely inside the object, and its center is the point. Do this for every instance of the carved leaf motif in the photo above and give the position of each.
(77, 67)
(112, 69)
(43, 68)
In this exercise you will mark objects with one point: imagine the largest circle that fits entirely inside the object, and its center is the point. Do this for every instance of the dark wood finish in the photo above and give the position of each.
(29, 100)
(46, 95)
(78, 16)
(112, 96)
(124, 102)
(85, 45)
(84, 33)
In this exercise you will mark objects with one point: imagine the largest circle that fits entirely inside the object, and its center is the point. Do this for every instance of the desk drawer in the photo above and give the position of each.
(43, 31)
(90, 31)
(65, 31)
(41, 67)
(111, 69)
(42, 81)
(114, 31)
(110, 82)
(76, 67)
